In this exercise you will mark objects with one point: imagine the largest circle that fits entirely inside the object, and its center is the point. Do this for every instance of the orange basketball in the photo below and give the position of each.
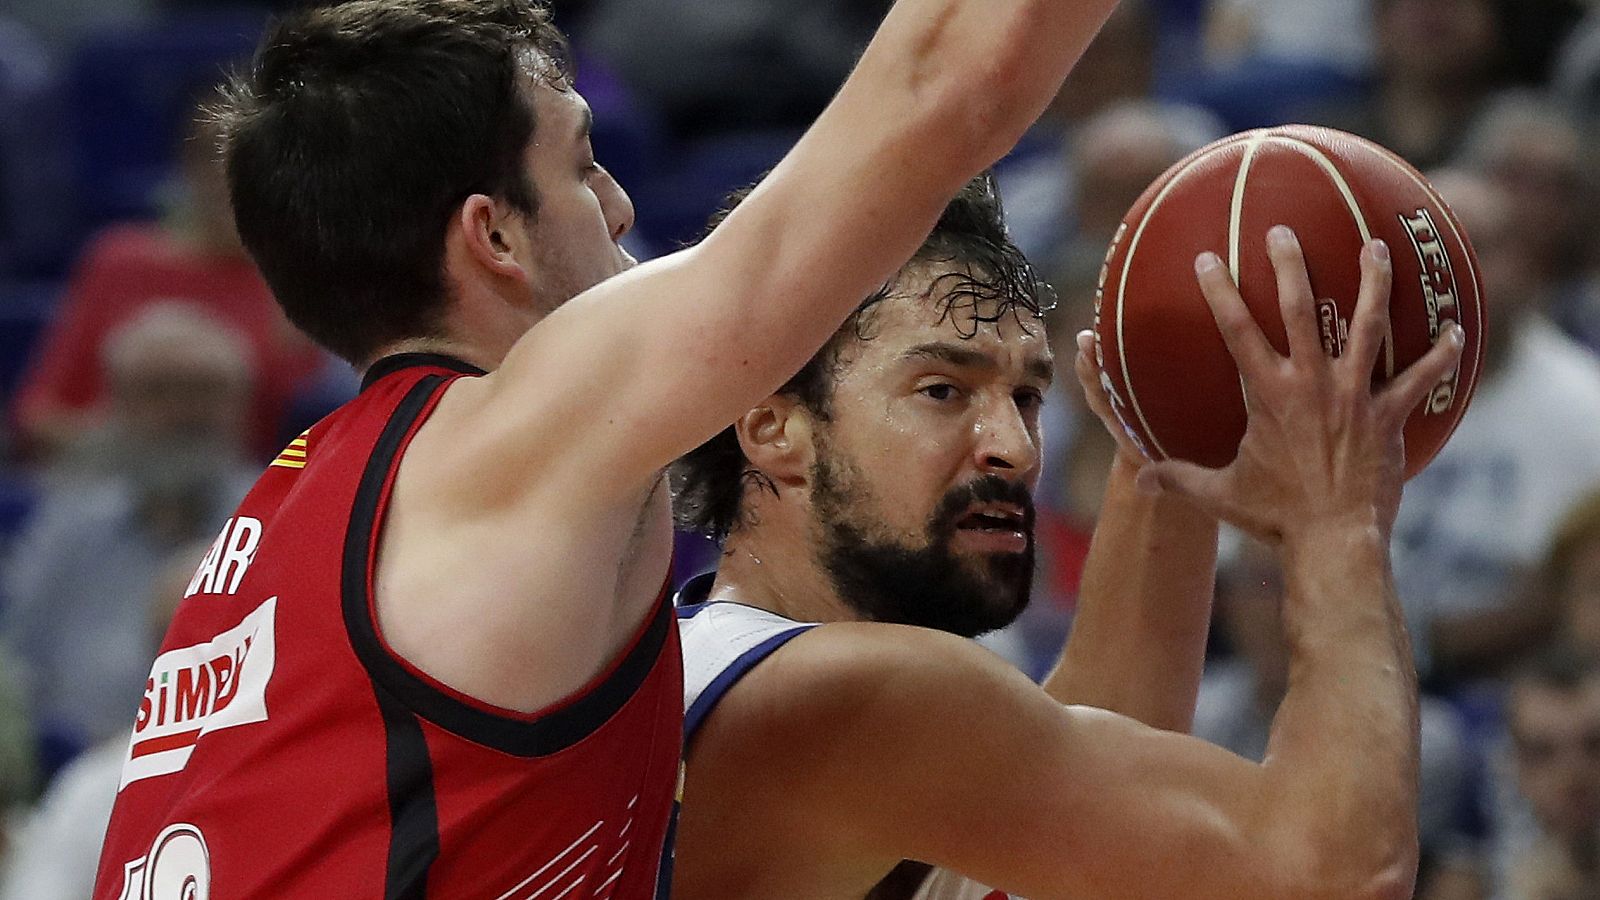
(1162, 360)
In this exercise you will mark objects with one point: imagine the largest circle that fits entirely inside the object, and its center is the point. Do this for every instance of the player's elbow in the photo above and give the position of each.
(1347, 866)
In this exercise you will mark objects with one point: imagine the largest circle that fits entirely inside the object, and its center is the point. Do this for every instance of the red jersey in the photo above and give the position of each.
(283, 751)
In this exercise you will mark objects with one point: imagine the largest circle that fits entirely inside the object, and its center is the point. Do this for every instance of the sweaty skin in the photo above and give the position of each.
(590, 398)
(860, 744)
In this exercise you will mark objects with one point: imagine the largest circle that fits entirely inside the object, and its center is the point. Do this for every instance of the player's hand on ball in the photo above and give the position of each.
(1323, 445)
(1094, 393)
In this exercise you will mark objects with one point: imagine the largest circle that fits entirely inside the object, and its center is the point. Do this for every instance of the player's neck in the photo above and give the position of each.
(484, 355)
(480, 327)
(778, 573)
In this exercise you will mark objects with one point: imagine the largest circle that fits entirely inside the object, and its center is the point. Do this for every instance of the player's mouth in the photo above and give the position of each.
(994, 528)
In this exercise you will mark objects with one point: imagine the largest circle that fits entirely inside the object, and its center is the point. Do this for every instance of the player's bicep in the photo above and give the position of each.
(957, 760)
(648, 365)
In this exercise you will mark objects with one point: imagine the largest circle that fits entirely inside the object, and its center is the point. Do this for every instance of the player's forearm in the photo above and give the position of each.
(1342, 761)
(1138, 638)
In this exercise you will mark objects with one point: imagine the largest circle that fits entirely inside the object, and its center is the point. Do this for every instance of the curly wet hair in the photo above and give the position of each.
(991, 280)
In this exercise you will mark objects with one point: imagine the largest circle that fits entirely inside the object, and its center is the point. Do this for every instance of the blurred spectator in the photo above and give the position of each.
(1115, 155)
(1437, 60)
(721, 65)
(166, 470)
(1571, 575)
(1484, 512)
(1575, 75)
(1332, 33)
(18, 774)
(1240, 695)
(193, 256)
(1554, 726)
(1038, 180)
(57, 850)
(1518, 771)
(1534, 150)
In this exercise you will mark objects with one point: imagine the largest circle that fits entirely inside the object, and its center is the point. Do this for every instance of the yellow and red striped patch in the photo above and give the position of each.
(294, 456)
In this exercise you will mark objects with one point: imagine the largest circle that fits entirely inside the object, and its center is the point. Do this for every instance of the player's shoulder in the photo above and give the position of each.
(879, 677)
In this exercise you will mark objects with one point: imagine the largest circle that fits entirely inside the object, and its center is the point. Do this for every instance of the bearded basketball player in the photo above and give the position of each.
(889, 485)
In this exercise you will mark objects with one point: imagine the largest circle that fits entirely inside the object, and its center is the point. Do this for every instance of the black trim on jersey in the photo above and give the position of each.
(413, 809)
(391, 364)
(545, 735)
(902, 882)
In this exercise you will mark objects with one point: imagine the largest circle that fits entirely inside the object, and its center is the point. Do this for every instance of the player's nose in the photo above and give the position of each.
(1003, 442)
(617, 207)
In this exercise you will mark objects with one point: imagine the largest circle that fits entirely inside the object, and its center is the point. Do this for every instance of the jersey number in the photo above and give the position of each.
(178, 867)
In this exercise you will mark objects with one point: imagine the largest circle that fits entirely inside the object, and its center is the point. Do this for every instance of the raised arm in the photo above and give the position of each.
(938, 752)
(674, 350)
(1138, 638)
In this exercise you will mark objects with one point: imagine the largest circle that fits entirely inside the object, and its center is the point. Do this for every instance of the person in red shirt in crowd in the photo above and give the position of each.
(193, 255)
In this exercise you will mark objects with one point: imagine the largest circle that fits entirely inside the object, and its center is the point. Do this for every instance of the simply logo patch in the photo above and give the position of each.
(195, 690)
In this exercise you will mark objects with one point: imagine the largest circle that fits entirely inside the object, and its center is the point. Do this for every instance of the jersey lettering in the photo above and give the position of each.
(194, 690)
(228, 558)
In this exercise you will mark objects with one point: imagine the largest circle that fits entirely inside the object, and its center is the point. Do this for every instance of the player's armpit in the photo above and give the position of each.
(904, 743)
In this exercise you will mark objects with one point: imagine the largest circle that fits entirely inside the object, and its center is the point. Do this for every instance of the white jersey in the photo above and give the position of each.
(724, 641)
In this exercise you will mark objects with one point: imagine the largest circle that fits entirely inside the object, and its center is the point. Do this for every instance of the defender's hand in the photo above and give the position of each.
(1320, 448)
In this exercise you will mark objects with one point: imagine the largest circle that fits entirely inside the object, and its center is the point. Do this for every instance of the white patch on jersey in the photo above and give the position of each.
(178, 867)
(200, 689)
(942, 884)
(717, 637)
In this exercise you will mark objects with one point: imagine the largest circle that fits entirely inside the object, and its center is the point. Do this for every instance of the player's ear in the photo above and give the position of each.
(490, 236)
(776, 438)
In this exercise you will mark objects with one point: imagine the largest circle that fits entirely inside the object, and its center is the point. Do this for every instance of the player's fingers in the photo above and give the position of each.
(1246, 343)
(1094, 393)
(1295, 299)
(1411, 386)
(1088, 373)
(1369, 328)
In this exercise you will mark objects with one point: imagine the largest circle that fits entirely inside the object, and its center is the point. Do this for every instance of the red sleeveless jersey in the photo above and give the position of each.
(283, 751)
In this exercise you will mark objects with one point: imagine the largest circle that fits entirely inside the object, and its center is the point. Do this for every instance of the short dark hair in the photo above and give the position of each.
(358, 131)
(709, 481)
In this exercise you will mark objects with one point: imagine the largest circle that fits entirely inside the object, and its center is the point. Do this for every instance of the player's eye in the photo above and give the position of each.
(941, 391)
(1028, 399)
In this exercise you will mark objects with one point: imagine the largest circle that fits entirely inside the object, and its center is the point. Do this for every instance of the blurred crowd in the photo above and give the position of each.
(147, 374)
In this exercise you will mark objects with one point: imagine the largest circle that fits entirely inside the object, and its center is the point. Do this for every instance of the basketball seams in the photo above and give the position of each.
(1127, 268)
(1244, 154)
(1354, 205)
(1236, 208)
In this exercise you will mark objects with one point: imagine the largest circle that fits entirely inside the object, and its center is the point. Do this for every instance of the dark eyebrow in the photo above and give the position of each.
(1038, 367)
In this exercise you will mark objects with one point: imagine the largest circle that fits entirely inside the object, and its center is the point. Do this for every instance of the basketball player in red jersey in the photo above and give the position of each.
(430, 655)
(889, 484)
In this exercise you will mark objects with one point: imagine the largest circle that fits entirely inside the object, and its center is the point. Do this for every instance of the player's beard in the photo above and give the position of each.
(930, 585)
